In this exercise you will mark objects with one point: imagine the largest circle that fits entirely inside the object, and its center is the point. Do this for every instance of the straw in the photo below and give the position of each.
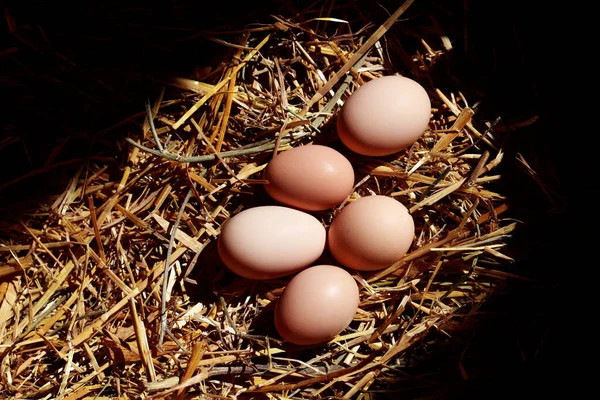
(114, 289)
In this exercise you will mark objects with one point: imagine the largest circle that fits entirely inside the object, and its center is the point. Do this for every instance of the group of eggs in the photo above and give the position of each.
(382, 117)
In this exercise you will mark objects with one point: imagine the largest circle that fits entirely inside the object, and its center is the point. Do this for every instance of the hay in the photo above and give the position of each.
(115, 288)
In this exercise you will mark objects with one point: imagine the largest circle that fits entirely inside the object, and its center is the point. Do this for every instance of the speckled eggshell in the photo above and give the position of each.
(371, 233)
(316, 305)
(384, 116)
(311, 178)
(269, 242)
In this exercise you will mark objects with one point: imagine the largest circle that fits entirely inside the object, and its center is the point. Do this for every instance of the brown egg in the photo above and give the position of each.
(371, 233)
(270, 241)
(384, 116)
(310, 178)
(316, 305)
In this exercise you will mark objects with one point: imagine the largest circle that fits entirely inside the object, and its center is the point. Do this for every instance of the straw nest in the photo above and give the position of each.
(115, 288)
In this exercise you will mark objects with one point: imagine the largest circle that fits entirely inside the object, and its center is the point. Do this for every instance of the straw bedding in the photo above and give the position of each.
(115, 288)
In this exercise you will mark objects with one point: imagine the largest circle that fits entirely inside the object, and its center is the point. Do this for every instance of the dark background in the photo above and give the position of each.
(69, 74)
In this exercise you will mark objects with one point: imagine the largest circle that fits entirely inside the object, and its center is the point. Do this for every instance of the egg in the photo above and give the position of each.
(371, 233)
(316, 305)
(270, 241)
(310, 177)
(384, 116)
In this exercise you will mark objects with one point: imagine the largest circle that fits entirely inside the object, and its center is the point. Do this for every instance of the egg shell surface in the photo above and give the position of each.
(316, 305)
(384, 116)
(268, 242)
(310, 177)
(371, 233)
